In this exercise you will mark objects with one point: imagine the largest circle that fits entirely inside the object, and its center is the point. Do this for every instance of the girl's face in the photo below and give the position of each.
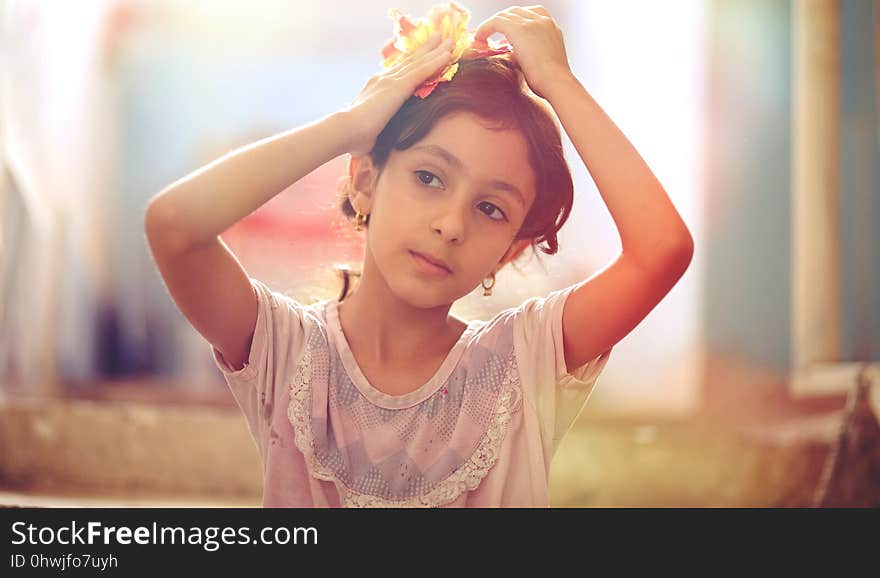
(458, 196)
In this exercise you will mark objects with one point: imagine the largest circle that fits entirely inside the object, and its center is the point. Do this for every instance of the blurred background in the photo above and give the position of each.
(754, 383)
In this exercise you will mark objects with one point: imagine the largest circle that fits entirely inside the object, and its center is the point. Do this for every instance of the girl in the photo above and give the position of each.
(382, 398)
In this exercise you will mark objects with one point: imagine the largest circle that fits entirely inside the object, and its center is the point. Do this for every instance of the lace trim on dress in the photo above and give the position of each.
(467, 477)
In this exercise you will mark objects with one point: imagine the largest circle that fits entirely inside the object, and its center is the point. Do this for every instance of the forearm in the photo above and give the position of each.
(650, 228)
(205, 203)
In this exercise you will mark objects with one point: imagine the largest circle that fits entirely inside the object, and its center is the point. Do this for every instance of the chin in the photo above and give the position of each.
(424, 295)
(421, 292)
(424, 298)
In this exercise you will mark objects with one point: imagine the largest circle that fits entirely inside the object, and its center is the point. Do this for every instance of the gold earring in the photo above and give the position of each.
(360, 219)
(487, 290)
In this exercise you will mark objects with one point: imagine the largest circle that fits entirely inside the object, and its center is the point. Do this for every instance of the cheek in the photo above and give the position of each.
(484, 260)
(394, 203)
(390, 229)
(402, 218)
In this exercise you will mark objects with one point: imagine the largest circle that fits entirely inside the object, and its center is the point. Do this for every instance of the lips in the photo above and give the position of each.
(432, 260)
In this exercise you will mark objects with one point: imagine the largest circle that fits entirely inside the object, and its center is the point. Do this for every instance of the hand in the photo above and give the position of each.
(537, 44)
(386, 91)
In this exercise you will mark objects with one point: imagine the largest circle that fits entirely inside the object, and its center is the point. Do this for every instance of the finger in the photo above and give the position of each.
(532, 14)
(519, 18)
(520, 11)
(434, 61)
(537, 8)
(442, 51)
(407, 60)
(429, 45)
(500, 22)
(430, 49)
(530, 11)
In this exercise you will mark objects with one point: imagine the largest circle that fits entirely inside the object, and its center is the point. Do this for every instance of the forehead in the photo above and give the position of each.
(485, 154)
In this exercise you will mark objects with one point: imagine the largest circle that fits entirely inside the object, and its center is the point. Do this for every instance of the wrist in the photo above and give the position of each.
(339, 124)
(560, 83)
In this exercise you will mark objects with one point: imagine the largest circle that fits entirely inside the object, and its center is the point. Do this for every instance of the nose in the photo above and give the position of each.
(450, 224)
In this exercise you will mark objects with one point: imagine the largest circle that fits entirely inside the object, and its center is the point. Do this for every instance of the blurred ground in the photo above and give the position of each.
(698, 463)
(82, 453)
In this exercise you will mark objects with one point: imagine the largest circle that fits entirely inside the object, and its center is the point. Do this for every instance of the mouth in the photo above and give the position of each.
(429, 265)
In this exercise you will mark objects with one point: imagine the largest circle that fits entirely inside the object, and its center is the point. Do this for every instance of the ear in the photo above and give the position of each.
(363, 181)
(515, 250)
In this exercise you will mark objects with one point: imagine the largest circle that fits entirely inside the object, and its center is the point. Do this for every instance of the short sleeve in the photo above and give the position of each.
(279, 336)
(558, 395)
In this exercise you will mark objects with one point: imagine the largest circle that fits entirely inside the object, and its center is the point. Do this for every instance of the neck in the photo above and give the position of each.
(379, 324)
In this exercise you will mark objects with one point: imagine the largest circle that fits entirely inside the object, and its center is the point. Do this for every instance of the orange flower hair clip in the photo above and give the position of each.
(450, 21)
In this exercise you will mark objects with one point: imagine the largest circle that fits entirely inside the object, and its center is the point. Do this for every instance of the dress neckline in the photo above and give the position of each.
(374, 395)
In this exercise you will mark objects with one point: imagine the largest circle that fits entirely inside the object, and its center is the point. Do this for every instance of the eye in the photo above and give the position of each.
(492, 209)
(421, 175)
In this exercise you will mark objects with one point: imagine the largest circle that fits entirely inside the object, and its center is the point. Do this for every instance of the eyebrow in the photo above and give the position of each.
(453, 160)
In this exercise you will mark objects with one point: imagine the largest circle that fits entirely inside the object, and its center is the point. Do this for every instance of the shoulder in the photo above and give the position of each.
(285, 320)
(492, 335)
(286, 301)
(533, 332)
(532, 314)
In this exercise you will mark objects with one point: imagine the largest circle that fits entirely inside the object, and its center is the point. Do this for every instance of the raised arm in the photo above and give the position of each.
(183, 225)
(656, 244)
(203, 204)
(184, 221)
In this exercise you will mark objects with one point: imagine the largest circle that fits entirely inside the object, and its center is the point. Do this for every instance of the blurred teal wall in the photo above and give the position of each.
(748, 252)
(747, 307)
(860, 182)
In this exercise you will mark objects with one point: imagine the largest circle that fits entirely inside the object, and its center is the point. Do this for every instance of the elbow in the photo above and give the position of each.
(152, 214)
(672, 256)
(156, 219)
(160, 229)
(679, 253)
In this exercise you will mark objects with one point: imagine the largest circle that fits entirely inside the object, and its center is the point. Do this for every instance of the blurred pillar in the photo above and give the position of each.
(816, 183)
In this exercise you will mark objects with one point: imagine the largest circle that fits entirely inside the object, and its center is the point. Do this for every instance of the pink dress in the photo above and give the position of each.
(480, 433)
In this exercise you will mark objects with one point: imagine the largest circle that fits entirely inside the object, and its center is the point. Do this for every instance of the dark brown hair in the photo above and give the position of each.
(495, 90)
